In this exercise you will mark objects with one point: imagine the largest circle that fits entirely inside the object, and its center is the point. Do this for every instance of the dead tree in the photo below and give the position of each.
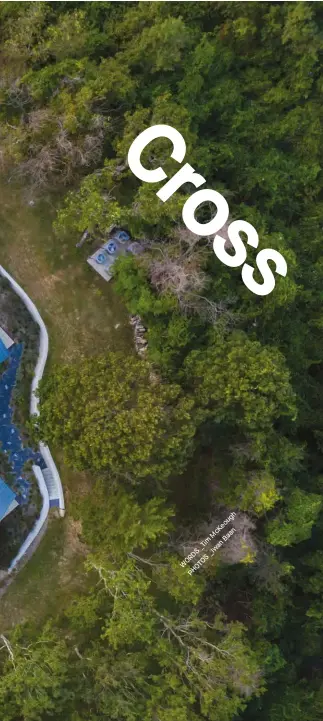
(235, 550)
(176, 275)
(62, 155)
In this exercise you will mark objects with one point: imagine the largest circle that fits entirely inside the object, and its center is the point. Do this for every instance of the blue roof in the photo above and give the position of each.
(6, 498)
(121, 235)
(3, 351)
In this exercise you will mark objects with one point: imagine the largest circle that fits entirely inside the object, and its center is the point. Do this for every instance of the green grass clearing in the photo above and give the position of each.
(44, 585)
(84, 317)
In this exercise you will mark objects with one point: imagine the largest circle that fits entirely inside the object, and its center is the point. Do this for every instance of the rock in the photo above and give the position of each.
(139, 332)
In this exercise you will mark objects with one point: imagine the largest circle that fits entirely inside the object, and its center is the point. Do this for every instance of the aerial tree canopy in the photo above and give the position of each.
(227, 411)
(107, 414)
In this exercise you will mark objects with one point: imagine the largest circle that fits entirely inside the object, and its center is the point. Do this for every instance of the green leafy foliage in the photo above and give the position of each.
(295, 523)
(33, 677)
(226, 412)
(108, 416)
(236, 379)
(137, 526)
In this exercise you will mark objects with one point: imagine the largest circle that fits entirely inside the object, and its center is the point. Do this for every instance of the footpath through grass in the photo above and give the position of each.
(84, 317)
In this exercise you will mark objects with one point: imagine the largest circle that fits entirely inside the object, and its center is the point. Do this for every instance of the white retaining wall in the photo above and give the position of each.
(50, 463)
(43, 339)
(39, 523)
(34, 410)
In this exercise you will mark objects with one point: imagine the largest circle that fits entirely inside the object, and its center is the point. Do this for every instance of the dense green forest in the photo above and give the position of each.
(226, 411)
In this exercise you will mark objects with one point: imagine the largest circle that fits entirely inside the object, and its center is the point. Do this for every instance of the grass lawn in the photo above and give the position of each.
(84, 317)
(46, 583)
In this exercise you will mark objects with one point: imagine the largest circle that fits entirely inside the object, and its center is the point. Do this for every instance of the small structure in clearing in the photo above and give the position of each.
(119, 243)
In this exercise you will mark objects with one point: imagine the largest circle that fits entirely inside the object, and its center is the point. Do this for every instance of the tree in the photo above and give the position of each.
(108, 416)
(120, 529)
(253, 491)
(236, 379)
(242, 82)
(33, 676)
(92, 207)
(314, 582)
(294, 524)
(117, 523)
(213, 660)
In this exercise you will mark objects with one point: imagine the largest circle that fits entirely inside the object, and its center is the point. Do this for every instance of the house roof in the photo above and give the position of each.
(7, 341)
(7, 500)
(3, 351)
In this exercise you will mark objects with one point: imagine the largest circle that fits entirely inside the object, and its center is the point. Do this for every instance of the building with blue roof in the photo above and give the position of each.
(119, 243)
(7, 500)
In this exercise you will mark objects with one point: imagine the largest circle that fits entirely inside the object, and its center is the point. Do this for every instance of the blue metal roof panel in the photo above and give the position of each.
(3, 351)
(6, 498)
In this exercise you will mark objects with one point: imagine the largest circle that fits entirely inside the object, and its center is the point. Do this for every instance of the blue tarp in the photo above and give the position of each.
(10, 438)
(6, 498)
(3, 351)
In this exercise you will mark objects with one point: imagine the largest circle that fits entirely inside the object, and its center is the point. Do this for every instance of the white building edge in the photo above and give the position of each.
(6, 340)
